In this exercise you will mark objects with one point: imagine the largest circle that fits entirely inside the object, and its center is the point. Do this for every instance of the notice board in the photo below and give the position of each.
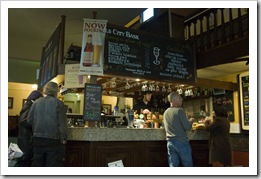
(49, 59)
(92, 102)
(244, 99)
(225, 100)
(138, 54)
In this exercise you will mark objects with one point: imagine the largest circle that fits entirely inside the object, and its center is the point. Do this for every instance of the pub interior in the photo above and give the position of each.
(202, 43)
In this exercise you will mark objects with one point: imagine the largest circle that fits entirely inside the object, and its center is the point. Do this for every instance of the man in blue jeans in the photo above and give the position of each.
(176, 124)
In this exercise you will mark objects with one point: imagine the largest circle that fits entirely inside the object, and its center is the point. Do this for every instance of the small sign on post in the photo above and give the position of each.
(92, 102)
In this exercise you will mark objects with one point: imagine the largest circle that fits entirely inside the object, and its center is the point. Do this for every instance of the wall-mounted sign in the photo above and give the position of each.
(72, 79)
(92, 47)
(49, 61)
(244, 99)
(225, 100)
(92, 102)
(137, 54)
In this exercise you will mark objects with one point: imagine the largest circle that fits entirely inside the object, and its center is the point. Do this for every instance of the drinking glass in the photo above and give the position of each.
(136, 123)
(156, 54)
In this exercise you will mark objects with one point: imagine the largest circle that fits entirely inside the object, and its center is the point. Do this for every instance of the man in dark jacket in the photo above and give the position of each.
(220, 152)
(25, 131)
(144, 103)
(49, 124)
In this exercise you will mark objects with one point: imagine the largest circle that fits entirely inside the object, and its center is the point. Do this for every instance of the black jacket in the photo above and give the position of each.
(141, 105)
(25, 133)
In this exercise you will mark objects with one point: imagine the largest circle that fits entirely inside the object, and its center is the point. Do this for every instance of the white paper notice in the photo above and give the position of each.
(234, 128)
(117, 163)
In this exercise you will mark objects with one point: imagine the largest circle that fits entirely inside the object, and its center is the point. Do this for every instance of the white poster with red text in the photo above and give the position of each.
(72, 79)
(92, 54)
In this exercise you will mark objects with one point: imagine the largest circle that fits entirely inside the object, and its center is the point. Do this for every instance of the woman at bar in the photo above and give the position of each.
(25, 131)
(220, 153)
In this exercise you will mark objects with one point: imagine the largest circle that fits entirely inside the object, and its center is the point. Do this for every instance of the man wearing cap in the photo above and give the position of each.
(49, 125)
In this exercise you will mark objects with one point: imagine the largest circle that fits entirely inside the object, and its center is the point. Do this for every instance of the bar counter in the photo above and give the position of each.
(96, 147)
(127, 134)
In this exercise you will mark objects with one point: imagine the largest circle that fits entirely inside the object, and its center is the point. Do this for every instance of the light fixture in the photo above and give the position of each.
(34, 86)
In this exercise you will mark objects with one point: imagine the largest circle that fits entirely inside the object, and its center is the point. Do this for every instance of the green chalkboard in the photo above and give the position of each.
(138, 54)
(92, 102)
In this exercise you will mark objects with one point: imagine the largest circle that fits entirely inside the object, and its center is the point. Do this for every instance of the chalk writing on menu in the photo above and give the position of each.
(139, 54)
(226, 101)
(245, 100)
(92, 102)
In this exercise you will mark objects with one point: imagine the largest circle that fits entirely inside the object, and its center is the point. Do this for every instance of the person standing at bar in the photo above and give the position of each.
(25, 131)
(176, 124)
(220, 152)
(49, 124)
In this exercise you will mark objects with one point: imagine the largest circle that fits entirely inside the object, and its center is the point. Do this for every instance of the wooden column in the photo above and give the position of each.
(93, 79)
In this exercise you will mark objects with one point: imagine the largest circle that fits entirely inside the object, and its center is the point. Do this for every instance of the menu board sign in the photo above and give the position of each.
(49, 61)
(244, 99)
(137, 54)
(225, 100)
(92, 102)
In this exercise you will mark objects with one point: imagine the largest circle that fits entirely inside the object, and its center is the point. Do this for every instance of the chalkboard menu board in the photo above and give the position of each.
(134, 53)
(92, 102)
(226, 101)
(244, 99)
(49, 61)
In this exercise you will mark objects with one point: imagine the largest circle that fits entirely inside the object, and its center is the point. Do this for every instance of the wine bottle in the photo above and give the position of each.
(88, 52)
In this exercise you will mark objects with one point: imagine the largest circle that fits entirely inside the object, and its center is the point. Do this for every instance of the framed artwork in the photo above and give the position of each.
(10, 102)
(107, 108)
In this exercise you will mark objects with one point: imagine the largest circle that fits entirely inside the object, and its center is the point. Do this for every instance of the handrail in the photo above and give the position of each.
(216, 34)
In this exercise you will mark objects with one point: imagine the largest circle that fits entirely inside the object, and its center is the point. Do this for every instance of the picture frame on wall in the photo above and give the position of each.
(10, 102)
(107, 108)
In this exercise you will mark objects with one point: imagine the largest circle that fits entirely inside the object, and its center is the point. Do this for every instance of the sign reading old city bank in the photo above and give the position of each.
(134, 53)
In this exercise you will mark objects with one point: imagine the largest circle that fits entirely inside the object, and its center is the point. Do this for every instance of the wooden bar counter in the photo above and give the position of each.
(96, 147)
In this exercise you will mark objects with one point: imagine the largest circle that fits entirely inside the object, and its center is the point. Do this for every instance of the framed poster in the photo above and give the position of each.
(244, 99)
(10, 102)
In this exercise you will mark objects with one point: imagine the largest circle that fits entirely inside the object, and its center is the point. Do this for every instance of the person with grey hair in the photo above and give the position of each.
(49, 125)
(176, 124)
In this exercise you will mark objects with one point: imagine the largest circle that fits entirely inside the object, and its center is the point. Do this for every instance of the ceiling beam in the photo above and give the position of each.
(217, 84)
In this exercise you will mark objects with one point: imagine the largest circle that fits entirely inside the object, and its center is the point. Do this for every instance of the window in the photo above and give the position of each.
(147, 14)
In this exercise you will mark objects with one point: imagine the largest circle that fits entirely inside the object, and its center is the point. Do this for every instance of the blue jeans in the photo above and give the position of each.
(179, 151)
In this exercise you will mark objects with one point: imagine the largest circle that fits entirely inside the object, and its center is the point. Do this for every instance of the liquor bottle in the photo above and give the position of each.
(88, 52)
